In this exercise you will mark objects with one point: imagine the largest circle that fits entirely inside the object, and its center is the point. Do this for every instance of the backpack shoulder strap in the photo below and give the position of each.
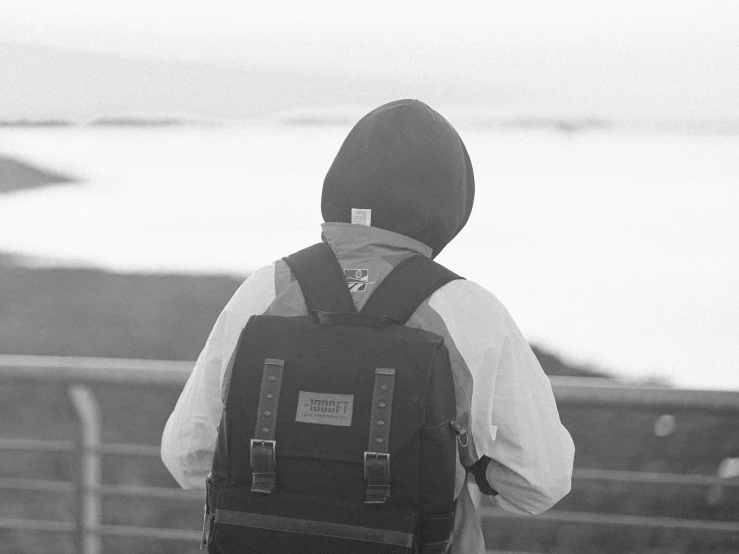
(406, 287)
(321, 279)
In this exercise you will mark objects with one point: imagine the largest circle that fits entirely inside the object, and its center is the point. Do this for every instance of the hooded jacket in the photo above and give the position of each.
(407, 164)
(402, 184)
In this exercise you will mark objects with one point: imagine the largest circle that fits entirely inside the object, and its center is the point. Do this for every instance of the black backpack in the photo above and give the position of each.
(338, 434)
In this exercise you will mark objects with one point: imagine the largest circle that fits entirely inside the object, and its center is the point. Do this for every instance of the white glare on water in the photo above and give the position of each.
(613, 248)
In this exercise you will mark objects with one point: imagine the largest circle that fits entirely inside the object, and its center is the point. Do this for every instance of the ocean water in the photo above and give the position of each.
(616, 248)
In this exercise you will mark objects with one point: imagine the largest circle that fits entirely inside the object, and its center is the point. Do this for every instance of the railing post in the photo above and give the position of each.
(89, 507)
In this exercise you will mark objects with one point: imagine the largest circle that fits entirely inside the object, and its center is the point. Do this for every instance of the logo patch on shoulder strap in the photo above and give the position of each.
(357, 279)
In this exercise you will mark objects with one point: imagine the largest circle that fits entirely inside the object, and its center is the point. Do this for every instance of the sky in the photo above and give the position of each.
(665, 57)
(647, 59)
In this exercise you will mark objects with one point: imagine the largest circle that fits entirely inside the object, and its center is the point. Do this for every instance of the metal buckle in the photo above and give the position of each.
(384, 455)
(207, 527)
(262, 442)
(263, 467)
(378, 487)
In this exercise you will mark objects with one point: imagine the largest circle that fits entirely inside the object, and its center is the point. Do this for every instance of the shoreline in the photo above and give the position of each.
(17, 175)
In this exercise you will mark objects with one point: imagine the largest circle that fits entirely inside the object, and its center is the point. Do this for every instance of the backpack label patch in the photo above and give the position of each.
(357, 279)
(325, 409)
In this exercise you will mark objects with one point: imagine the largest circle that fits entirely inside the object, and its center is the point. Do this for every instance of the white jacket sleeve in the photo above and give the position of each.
(515, 421)
(189, 437)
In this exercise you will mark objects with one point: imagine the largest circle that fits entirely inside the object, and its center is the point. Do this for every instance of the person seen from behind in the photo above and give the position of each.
(402, 184)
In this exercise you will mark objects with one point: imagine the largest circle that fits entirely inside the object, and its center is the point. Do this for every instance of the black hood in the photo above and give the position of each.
(408, 165)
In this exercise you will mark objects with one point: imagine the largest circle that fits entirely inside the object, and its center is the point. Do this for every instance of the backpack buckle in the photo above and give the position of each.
(262, 458)
(377, 475)
(207, 528)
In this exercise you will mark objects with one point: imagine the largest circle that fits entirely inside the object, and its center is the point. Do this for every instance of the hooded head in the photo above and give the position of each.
(407, 164)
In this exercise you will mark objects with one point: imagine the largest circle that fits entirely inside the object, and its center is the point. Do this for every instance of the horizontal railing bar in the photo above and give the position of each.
(509, 552)
(173, 493)
(585, 474)
(70, 369)
(35, 445)
(109, 530)
(148, 532)
(36, 525)
(39, 485)
(652, 477)
(588, 390)
(67, 487)
(162, 493)
(648, 522)
(130, 449)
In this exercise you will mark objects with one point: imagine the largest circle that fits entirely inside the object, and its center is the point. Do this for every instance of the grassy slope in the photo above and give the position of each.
(86, 312)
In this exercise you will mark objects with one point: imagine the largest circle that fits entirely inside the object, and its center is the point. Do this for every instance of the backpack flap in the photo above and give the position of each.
(325, 402)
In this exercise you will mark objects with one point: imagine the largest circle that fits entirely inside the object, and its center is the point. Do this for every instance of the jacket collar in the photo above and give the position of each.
(347, 240)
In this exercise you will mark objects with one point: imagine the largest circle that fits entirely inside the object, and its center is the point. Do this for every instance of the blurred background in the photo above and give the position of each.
(153, 154)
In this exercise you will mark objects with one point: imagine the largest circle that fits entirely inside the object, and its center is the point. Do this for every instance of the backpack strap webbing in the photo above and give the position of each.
(406, 287)
(327, 296)
(321, 279)
(262, 446)
(377, 455)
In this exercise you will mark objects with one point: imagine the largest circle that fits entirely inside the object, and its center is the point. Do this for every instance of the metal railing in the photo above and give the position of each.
(79, 375)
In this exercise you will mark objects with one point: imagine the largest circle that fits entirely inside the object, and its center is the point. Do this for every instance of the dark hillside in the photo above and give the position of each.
(88, 312)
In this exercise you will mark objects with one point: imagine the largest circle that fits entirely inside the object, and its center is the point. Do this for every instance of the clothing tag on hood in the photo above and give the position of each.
(361, 217)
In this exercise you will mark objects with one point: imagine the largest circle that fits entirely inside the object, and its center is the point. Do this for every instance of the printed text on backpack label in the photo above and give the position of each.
(325, 409)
